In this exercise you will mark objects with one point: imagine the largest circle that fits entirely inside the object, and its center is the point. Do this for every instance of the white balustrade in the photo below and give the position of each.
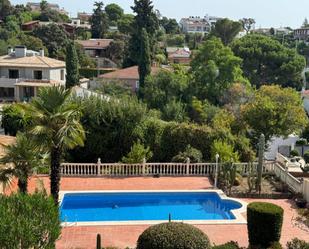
(149, 169)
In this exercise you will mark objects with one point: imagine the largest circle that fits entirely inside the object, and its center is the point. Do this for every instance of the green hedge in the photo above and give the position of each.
(91, 72)
(28, 221)
(264, 223)
(228, 245)
(173, 236)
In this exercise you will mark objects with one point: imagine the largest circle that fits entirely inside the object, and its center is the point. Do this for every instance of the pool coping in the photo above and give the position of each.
(239, 218)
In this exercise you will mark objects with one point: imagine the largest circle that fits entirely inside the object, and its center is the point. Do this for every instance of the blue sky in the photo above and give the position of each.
(268, 13)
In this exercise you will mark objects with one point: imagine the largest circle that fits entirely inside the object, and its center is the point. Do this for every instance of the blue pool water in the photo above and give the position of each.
(90, 207)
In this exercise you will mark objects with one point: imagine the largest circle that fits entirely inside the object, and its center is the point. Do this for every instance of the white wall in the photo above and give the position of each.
(306, 189)
(275, 142)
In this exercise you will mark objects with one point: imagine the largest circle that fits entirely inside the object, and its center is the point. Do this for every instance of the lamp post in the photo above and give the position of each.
(216, 172)
(98, 69)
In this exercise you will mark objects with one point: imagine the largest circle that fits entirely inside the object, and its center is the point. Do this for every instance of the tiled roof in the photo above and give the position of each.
(127, 73)
(30, 61)
(95, 43)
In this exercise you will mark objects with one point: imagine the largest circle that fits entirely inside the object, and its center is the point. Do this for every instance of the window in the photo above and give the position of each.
(6, 92)
(62, 74)
(38, 75)
(13, 74)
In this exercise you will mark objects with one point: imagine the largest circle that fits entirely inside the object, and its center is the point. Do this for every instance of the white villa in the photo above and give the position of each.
(23, 72)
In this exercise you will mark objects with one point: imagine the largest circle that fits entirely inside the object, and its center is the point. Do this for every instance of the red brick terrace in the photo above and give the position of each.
(126, 236)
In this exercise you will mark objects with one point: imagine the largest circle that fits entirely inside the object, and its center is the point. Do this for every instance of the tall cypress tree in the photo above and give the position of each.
(99, 21)
(144, 62)
(145, 19)
(72, 66)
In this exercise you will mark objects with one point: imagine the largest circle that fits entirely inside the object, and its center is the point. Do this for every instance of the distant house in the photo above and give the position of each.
(196, 24)
(83, 16)
(301, 33)
(23, 72)
(30, 26)
(127, 76)
(52, 6)
(97, 49)
(178, 55)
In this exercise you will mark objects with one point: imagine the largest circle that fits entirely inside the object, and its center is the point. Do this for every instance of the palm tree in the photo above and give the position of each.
(56, 126)
(21, 159)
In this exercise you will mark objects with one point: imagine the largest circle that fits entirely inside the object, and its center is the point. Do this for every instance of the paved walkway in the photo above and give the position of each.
(123, 236)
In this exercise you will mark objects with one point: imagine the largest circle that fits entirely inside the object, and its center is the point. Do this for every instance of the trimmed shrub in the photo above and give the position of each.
(275, 245)
(264, 223)
(306, 156)
(173, 235)
(228, 245)
(297, 244)
(301, 142)
(294, 153)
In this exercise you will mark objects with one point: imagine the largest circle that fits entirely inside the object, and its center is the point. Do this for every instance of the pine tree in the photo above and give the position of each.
(144, 62)
(72, 66)
(99, 21)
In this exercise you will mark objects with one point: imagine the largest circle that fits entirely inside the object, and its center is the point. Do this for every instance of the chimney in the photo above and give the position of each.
(20, 51)
(42, 52)
(10, 50)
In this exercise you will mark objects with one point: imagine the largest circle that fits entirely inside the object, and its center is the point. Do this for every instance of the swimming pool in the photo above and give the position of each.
(134, 207)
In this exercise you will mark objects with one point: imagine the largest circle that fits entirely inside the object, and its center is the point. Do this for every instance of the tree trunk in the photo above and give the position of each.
(23, 185)
(55, 173)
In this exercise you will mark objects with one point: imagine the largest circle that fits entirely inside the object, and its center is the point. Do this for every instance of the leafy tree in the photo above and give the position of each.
(12, 25)
(215, 68)
(99, 21)
(53, 36)
(225, 151)
(85, 61)
(202, 112)
(55, 125)
(125, 24)
(114, 12)
(247, 24)
(28, 221)
(266, 61)
(275, 111)
(235, 96)
(226, 30)
(170, 25)
(165, 86)
(115, 51)
(144, 62)
(32, 42)
(5, 9)
(174, 111)
(175, 40)
(22, 159)
(72, 66)
(51, 15)
(137, 154)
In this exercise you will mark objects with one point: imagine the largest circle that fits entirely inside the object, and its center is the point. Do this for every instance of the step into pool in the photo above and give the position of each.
(146, 206)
